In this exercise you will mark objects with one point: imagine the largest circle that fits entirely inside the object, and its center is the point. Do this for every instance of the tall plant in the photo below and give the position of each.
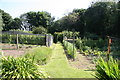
(107, 70)
(20, 68)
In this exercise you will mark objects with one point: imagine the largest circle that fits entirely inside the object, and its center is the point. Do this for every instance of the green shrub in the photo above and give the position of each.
(39, 30)
(69, 34)
(21, 68)
(69, 47)
(23, 39)
(58, 36)
(107, 70)
(40, 54)
(89, 46)
(100, 43)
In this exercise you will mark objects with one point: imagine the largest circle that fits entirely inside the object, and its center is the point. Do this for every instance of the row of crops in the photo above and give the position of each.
(26, 66)
(23, 39)
(92, 47)
(97, 50)
(70, 48)
(98, 47)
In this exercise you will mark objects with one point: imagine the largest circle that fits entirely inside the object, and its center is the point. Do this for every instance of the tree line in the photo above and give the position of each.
(101, 18)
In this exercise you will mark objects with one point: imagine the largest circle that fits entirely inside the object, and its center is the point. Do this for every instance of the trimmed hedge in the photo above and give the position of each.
(23, 39)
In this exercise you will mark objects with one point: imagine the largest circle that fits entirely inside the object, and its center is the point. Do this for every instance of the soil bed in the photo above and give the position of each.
(82, 62)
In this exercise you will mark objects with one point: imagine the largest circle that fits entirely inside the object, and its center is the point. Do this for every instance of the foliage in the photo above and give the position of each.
(21, 68)
(16, 23)
(70, 34)
(101, 18)
(39, 30)
(107, 70)
(69, 47)
(35, 19)
(23, 39)
(89, 46)
(7, 19)
(1, 22)
(73, 20)
(19, 31)
(40, 54)
(99, 43)
(58, 36)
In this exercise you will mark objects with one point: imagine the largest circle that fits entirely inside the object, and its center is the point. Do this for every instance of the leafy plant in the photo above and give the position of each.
(21, 68)
(69, 47)
(39, 30)
(107, 70)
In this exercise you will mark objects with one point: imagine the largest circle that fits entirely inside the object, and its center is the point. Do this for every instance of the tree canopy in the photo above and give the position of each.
(35, 19)
(101, 18)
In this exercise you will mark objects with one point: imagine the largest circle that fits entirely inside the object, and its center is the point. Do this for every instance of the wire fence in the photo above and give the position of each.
(16, 37)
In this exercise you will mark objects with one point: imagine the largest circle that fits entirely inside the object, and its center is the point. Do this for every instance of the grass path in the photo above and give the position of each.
(58, 67)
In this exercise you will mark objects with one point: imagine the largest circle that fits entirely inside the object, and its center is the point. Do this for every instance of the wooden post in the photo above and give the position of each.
(46, 40)
(73, 44)
(73, 47)
(17, 42)
(109, 42)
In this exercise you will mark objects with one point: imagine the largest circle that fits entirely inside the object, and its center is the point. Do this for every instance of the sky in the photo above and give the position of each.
(57, 8)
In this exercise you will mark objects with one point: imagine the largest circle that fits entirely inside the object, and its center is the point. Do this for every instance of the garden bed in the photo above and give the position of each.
(11, 49)
(81, 62)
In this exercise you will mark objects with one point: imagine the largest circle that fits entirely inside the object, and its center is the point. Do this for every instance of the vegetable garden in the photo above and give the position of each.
(38, 60)
(84, 44)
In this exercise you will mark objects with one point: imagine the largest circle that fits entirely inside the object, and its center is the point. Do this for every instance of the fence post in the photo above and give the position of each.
(46, 40)
(17, 42)
(73, 45)
(109, 42)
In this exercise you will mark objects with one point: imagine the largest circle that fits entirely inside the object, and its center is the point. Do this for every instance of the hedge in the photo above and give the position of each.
(23, 39)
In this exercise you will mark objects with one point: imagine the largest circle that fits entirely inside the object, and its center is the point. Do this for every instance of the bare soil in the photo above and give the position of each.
(14, 53)
(82, 62)
(11, 49)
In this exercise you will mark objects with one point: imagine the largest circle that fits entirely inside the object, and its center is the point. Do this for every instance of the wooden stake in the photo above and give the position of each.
(109, 42)
(17, 42)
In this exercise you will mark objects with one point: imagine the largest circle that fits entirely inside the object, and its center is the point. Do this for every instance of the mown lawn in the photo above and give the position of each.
(58, 66)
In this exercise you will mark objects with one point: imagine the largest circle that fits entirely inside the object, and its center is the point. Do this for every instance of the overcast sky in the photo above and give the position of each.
(57, 8)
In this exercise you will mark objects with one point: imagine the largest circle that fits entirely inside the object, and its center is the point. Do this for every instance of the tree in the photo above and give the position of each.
(80, 22)
(1, 22)
(117, 21)
(98, 18)
(74, 20)
(6, 19)
(15, 24)
(39, 30)
(35, 19)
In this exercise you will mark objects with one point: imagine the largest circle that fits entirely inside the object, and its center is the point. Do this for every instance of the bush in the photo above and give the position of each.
(107, 70)
(21, 68)
(58, 36)
(89, 46)
(23, 39)
(39, 30)
(69, 34)
(69, 47)
(40, 54)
